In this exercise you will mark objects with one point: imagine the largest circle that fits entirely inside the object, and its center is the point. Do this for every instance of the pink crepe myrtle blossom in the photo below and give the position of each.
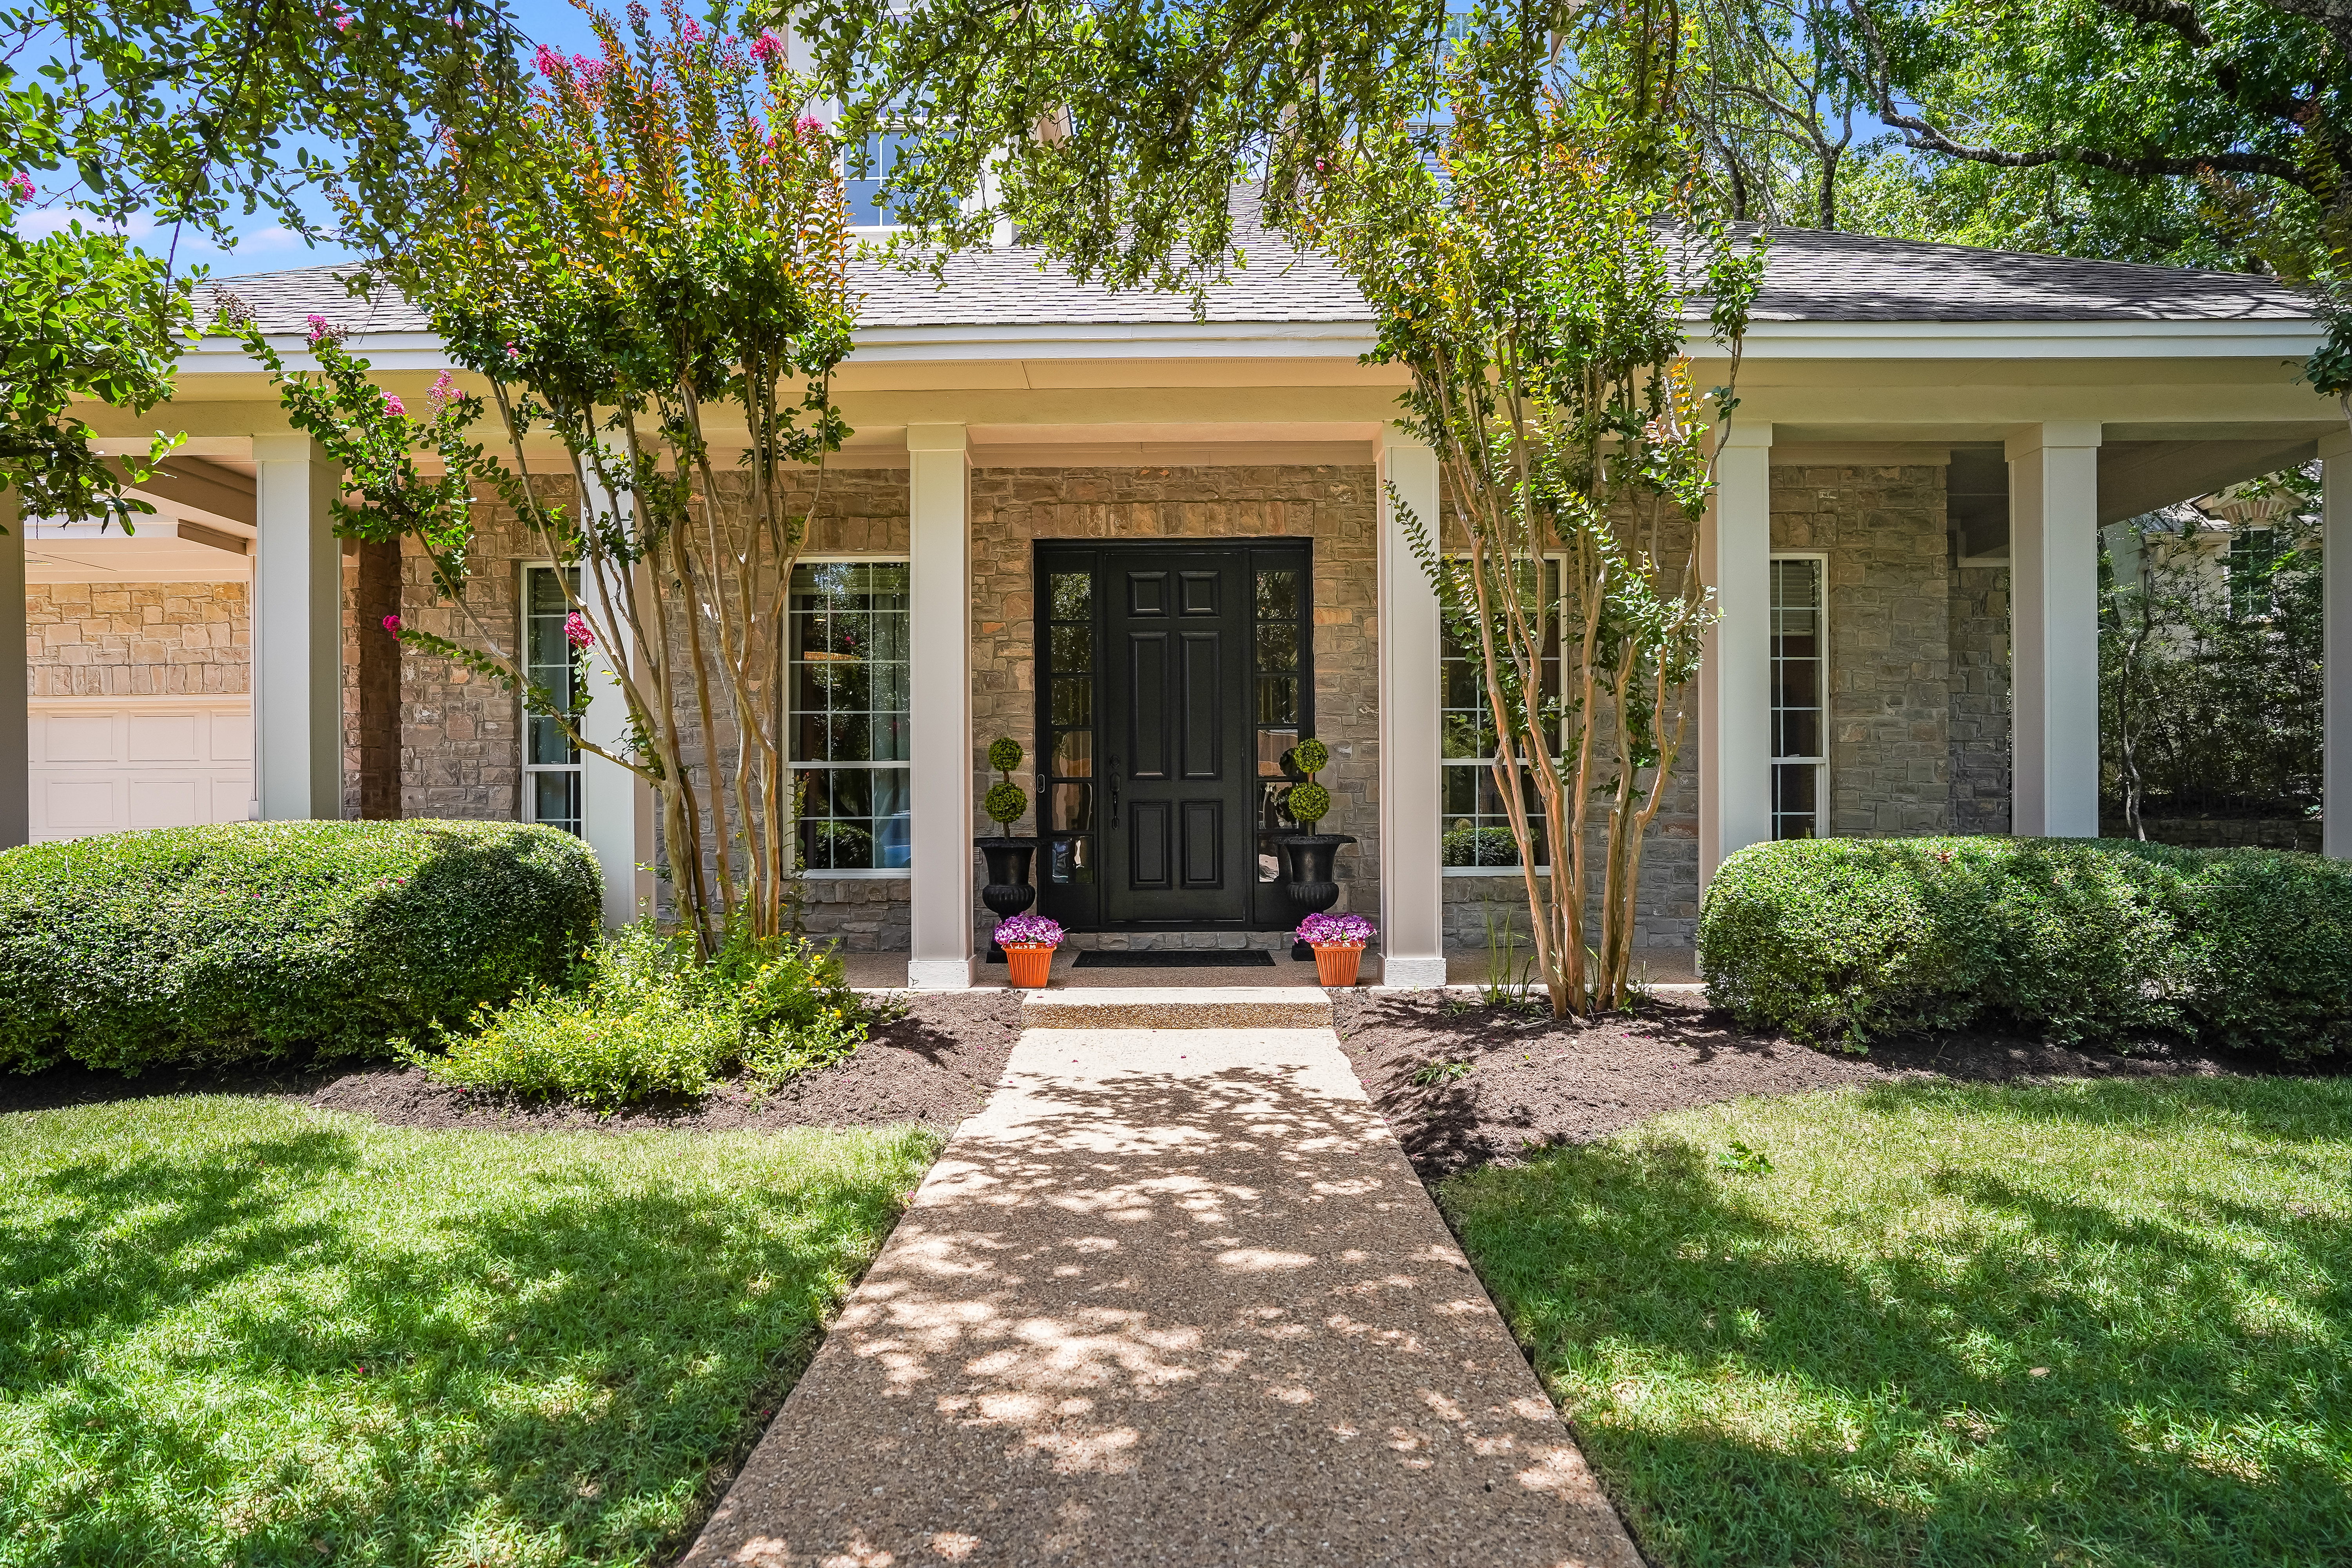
(20, 187)
(339, 14)
(320, 327)
(692, 32)
(393, 405)
(768, 48)
(442, 392)
(809, 125)
(576, 632)
(392, 625)
(547, 62)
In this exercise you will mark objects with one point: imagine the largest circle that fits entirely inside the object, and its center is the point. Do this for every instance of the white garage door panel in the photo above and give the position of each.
(77, 738)
(104, 764)
(166, 738)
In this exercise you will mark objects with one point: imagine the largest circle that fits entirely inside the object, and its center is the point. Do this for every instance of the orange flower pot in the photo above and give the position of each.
(1336, 965)
(1031, 966)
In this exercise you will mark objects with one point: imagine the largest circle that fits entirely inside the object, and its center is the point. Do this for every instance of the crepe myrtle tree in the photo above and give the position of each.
(1525, 259)
(649, 272)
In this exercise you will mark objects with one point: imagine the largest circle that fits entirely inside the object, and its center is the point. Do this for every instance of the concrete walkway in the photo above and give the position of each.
(1174, 1297)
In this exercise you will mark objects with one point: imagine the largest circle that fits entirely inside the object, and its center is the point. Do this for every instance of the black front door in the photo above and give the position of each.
(1176, 769)
(1171, 679)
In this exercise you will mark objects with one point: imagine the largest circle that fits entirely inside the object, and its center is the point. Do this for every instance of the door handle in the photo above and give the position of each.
(1112, 778)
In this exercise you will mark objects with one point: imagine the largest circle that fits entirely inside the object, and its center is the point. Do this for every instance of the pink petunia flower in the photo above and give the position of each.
(392, 625)
(576, 632)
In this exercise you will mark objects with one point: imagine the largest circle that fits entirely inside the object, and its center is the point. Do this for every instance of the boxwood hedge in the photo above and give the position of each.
(1844, 941)
(260, 941)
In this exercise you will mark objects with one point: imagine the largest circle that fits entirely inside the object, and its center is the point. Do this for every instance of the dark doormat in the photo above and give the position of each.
(1188, 958)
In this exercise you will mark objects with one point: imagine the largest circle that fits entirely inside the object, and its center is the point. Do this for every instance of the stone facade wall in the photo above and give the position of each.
(138, 639)
(1882, 528)
(1979, 699)
(1333, 506)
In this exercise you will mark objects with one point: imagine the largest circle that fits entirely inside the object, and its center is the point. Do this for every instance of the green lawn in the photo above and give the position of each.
(2098, 1324)
(239, 1332)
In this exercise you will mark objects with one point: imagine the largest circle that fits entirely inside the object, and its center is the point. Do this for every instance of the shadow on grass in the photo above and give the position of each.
(1858, 1383)
(542, 1354)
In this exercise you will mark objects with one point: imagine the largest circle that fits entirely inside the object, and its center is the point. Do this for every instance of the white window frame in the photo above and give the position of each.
(527, 807)
(1559, 559)
(1821, 763)
(859, 558)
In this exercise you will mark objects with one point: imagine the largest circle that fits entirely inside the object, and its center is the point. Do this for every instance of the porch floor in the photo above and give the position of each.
(887, 970)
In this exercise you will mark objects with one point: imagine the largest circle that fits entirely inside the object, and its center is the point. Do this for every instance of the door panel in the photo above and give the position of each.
(1179, 625)
(1171, 677)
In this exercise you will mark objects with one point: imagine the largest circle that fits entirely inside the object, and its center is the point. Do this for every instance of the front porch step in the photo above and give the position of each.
(1177, 1007)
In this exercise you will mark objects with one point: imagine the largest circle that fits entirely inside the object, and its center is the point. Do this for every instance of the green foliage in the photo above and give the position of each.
(244, 1330)
(1842, 941)
(1478, 847)
(1308, 803)
(185, 114)
(1004, 754)
(266, 941)
(1312, 756)
(86, 316)
(644, 1018)
(1951, 1323)
(1004, 803)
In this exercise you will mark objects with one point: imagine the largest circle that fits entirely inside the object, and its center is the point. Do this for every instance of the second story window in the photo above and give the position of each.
(867, 169)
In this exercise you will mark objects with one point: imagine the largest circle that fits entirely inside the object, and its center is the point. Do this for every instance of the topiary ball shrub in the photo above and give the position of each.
(1839, 941)
(1309, 804)
(264, 941)
(1004, 753)
(1004, 803)
(1313, 756)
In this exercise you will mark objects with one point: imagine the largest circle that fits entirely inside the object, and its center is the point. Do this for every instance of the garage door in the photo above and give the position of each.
(101, 765)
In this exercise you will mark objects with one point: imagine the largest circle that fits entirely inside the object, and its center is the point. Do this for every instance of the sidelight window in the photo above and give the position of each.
(550, 762)
(1278, 611)
(1067, 812)
(847, 722)
(1800, 692)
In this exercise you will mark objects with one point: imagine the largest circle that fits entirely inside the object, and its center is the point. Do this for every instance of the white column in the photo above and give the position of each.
(1735, 678)
(2335, 575)
(2054, 630)
(939, 702)
(617, 807)
(15, 757)
(298, 632)
(1413, 874)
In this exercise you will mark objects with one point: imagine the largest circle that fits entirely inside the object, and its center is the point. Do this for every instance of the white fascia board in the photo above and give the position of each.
(2023, 339)
(1329, 340)
(1098, 340)
(383, 350)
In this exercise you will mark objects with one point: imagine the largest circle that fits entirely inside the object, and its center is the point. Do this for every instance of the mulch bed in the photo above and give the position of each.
(1532, 1080)
(935, 1064)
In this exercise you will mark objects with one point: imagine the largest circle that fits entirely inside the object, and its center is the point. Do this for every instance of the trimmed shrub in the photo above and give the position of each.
(1839, 941)
(263, 940)
(641, 1017)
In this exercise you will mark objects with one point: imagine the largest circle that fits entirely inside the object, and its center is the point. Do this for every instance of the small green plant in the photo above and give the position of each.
(1309, 803)
(1740, 1160)
(1510, 981)
(644, 1017)
(1429, 1074)
(1006, 800)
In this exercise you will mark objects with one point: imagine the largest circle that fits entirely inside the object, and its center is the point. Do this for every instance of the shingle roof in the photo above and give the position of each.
(1813, 276)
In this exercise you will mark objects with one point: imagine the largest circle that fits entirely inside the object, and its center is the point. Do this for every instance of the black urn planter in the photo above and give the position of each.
(1008, 891)
(1311, 888)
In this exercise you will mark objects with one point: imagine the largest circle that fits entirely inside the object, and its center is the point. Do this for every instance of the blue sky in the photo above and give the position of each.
(263, 244)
